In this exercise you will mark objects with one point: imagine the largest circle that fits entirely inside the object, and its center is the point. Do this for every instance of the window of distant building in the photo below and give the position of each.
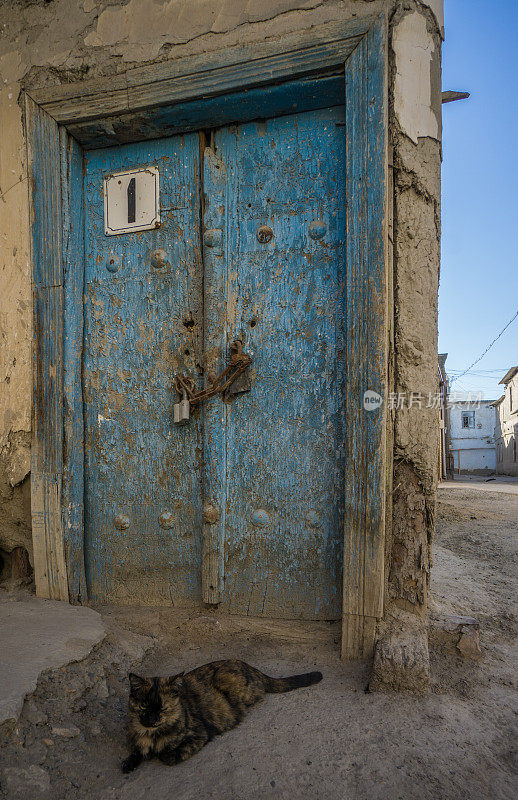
(468, 419)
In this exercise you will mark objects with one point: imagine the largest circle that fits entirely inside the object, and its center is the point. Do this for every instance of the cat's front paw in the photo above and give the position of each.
(131, 762)
(169, 756)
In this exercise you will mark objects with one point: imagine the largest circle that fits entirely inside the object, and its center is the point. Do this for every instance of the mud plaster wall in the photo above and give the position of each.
(44, 43)
(401, 658)
(415, 53)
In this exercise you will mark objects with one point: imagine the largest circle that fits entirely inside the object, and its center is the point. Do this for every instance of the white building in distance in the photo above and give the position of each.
(506, 425)
(472, 430)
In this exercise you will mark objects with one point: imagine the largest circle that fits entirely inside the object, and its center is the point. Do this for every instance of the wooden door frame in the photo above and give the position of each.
(159, 100)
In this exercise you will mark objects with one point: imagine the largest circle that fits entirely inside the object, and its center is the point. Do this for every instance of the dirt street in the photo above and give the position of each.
(331, 741)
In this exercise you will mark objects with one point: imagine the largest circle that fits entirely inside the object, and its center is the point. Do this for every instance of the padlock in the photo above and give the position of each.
(181, 410)
(185, 408)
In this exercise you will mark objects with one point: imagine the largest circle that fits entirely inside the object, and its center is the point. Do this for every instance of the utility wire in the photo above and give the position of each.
(452, 371)
(456, 378)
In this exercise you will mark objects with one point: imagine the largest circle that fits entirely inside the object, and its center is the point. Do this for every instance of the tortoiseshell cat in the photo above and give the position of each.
(173, 718)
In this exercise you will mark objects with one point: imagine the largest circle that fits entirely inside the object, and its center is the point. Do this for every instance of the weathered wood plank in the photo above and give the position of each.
(44, 161)
(47, 451)
(250, 73)
(209, 73)
(358, 634)
(73, 433)
(47, 445)
(260, 103)
(47, 427)
(375, 100)
(47, 536)
(366, 126)
(215, 347)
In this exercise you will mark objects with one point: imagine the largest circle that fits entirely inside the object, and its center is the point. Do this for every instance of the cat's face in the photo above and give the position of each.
(154, 701)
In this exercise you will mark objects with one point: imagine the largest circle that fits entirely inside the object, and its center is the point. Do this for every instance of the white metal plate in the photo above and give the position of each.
(131, 201)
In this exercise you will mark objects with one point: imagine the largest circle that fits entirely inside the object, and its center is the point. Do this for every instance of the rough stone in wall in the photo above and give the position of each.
(15, 516)
(15, 456)
(409, 568)
(457, 634)
(401, 656)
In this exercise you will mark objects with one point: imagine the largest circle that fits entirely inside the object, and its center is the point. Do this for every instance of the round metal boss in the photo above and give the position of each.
(213, 237)
(159, 259)
(264, 234)
(113, 263)
(317, 229)
(166, 519)
(260, 518)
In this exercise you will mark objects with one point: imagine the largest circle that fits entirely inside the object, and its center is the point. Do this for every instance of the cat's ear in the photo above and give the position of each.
(174, 682)
(136, 682)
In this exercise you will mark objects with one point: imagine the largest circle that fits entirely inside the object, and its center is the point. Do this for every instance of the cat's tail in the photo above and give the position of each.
(274, 685)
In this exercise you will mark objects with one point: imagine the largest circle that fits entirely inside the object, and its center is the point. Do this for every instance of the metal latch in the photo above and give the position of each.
(238, 364)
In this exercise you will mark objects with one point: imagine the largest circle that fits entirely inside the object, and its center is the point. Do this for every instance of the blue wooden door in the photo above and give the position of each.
(242, 507)
(282, 480)
(142, 474)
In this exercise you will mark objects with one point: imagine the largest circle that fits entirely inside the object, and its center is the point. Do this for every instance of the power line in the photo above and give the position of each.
(456, 378)
(479, 371)
(481, 376)
(471, 390)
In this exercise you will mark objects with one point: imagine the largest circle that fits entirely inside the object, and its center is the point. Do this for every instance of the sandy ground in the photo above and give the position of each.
(331, 741)
(501, 483)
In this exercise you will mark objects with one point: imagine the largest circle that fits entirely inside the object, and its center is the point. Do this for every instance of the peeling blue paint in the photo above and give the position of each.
(276, 453)
(138, 465)
(284, 440)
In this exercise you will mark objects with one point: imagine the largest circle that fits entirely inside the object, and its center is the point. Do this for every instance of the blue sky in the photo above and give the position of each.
(478, 292)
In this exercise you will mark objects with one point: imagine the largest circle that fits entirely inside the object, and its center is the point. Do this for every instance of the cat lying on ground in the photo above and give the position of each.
(173, 718)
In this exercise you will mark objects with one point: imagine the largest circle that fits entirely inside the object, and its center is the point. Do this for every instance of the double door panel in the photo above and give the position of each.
(242, 506)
